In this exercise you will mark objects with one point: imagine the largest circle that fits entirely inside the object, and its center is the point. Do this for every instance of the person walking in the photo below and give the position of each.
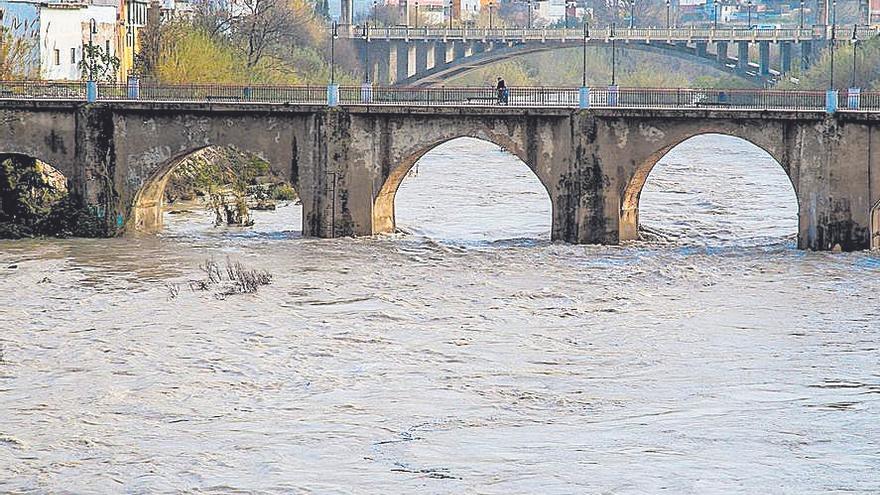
(501, 88)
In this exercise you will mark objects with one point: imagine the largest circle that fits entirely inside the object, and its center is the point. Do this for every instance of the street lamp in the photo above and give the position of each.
(855, 42)
(833, 38)
(586, 36)
(613, 57)
(333, 54)
(750, 13)
(417, 15)
(450, 14)
(715, 6)
(367, 52)
(567, 6)
(93, 29)
(632, 13)
(491, 5)
(802, 14)
(529, 25)
(667, 14)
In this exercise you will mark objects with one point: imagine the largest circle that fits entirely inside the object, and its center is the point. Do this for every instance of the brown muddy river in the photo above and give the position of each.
(468, 355)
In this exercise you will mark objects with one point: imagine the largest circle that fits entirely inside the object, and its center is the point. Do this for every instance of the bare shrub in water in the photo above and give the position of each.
(233, 278)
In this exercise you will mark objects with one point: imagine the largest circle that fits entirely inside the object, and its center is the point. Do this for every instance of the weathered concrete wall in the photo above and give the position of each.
(347, 163)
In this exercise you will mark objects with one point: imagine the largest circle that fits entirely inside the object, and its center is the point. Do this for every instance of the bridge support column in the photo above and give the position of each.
(742, 60)
(806, 54)
(764, 57)
(424, 57)
(701, 49)
(721, 52)
(458, 50)
(388, 65)
(406, 60)
(443, 53)
(346, 12)
(785, 56)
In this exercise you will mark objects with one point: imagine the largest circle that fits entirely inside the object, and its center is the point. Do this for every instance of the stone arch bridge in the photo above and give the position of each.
(347, 162)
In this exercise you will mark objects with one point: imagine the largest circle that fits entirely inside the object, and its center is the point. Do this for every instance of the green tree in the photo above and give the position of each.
(225, 176)
(98, 64)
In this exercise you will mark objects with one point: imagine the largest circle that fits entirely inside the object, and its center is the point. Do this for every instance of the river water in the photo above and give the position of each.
(468, 355)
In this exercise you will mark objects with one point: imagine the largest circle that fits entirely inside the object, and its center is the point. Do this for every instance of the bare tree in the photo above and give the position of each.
(16, 55)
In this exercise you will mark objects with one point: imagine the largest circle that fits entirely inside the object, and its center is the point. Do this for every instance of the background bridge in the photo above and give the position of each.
(409, 56)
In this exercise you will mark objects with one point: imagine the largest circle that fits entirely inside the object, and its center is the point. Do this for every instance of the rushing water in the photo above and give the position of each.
(470, 355)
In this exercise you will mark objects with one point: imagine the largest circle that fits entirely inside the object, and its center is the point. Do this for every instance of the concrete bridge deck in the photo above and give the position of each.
(347, 162)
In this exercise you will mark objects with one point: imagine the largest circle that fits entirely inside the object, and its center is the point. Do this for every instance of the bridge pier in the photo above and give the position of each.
(742, 60)
(405, 60)
(459, 50)
(701, 47)
(764, 58)
(785, 57)
(424, 57)
(721, 52)
(806, 54)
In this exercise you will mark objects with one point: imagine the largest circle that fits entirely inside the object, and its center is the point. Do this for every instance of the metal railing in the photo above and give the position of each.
(516, 97)
(708, 98)
(605, 32)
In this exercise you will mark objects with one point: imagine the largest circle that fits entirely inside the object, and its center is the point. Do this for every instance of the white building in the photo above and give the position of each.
(546, 12)
(59, 30)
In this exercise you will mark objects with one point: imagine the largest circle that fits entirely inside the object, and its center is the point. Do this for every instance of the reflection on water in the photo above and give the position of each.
(714, 358)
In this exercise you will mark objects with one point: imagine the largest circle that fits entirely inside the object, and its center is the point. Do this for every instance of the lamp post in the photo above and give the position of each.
(632, 14)
(366, 37)
(417, 15)
(333, 88)
(584, 92)
(802, 14)
(613, 57)
(93, 29)
(667, 14)
(855, 42)
(333, 37)
(567, 4)
(450, 14)
(750, 13)
(491, 5)
(529, 22)
(715, 6)
(584, 66)
(91, 84)
(833, 38)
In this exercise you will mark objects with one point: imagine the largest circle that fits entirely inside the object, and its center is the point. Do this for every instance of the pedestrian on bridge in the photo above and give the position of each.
(502, 90)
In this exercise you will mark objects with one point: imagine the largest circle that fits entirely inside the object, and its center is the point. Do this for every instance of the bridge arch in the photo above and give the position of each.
(631, 195)
(462, 66)
(384, 220)
(147, 213)
(31, 190)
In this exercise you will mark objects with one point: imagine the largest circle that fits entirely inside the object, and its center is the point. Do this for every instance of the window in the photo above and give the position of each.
(57, 57)
(73, 55)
